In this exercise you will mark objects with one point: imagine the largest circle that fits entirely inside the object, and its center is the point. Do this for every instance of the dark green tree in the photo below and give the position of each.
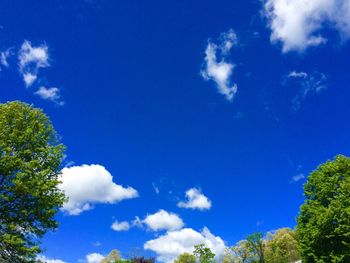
(30, 158)
(203, 254)
(323, 228)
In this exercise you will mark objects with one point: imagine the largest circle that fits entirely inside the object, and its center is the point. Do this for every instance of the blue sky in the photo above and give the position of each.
(184, 121)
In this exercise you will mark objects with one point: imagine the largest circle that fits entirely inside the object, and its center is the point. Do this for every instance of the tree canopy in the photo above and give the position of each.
(30, 158)
(324, 220)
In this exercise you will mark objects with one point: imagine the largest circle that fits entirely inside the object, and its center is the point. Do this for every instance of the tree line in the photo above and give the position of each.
(31, 158)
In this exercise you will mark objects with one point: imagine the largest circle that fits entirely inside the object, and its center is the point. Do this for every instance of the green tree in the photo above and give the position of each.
(255, 243)
(323, 228)
(239, 253)
(30, 158)
(185, 258)
(203, 253)
(112, 257)
(282, 246)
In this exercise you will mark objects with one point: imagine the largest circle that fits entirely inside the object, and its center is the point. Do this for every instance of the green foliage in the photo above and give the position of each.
(30, 158)
(282, 247)
(142, 260)
(240, 253)
(185, 258)
(324, 220)
(203, 253)
(112, 257)
(255, 244)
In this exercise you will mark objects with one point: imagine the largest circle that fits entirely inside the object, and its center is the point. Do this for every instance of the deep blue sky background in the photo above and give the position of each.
(129, 73)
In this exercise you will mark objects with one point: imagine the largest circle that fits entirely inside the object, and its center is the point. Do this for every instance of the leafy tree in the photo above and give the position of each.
(142, 260)
(112, 257)
(323, 228)
(203, 253)
(282, 247)
(30, 158)
(240, 253)
(255, 245)
(185, 258)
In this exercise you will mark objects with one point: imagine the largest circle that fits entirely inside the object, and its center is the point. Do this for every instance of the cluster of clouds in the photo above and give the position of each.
(298, 24)
(31, 59)
(89, 185)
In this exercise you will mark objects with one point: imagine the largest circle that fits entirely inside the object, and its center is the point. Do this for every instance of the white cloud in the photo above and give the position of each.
(94, 258)
(297, 24)
(49, 260)
(174, 243)
(195, 200)
(216, 67)
(89, 184)
(31, 59)
(120, 226)
(163, 220)
(52, 94)
(298, 177)
(307, 83)
(4, 55)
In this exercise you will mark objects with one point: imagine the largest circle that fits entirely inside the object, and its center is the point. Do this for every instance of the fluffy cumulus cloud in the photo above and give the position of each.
(120, 226)
(195, 200)
(94, 258)
(52, 94)
(90, 184)
(307, 83)
(163, 220)
(297, 24)
(49, 260)
(217, 68)
(173, 243)
(31, 59)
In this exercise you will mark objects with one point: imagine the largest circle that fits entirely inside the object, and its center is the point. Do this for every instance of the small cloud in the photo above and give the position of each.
(51, 94)
(97, 244)
(155, 188)
(298, 177)
(120, 226)
(4, 55)
(163, 220)
(195, 200)
(216, 68)
(137, 222)
(87, 185)
(31, 59)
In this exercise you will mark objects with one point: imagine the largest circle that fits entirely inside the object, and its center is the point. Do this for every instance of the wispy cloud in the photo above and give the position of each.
(217, 68)
(51, 94)
(4, 56)
(297, 24)
(298, 177)
(307, 84)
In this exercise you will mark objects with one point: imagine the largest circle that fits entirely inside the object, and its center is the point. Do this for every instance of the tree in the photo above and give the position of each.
(240, 253)
(323, 228)
(203, 253)
(185, 258)
(255, 245)
(30, 158)
(142, 260)
(282, 247)
(112, 257)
